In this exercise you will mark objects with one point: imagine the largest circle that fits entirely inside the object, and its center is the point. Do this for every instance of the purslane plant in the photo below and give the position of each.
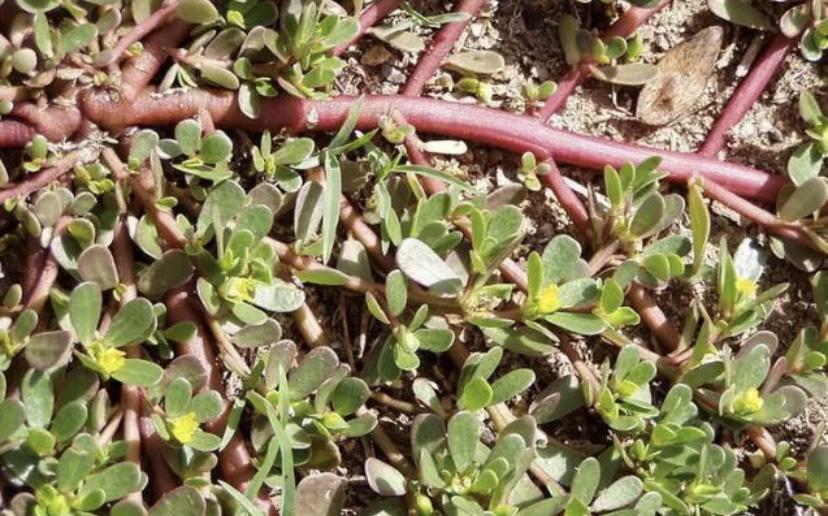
(324, 407)
(132, 324)
(457, 473)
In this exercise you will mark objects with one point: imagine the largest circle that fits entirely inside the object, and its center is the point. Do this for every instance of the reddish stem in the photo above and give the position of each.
(761, 73)
(48, 274)
(757, 215)
(369, 17)
(623, 27)
(566, 87)
(474, 123)
(653, 317)
(161, 477)
(234, 460)
(122, 251)
(37, 181)
(35, 260)
(139, 32)
(56, 123)
(569, 201)
(139, 71)
(352, 219)
(14, 134)
(441, 45)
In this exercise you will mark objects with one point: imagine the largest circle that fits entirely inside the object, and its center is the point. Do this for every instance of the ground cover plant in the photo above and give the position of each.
(240, 274)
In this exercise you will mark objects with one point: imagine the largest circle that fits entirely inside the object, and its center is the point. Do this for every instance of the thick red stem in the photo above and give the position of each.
(566, 87)
(474, 123)
(369, 17)
(761, 73)
(623, 27)
(56, 123)
(14, 134)
(441, 45)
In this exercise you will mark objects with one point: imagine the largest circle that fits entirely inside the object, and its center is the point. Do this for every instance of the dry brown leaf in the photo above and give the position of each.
(682, 78)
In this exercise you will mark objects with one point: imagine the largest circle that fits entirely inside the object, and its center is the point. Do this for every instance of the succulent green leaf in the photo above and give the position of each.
(116, 481)
(384, 479)
(315, 368)
(418, 262)
(396, 292)
(182, 501)
(586, 479)
(140, 373)
(463, 437)
(85, 303)
(511, 384)
(48, 349)
(805, 200)
(740, 13)
(133, 323)
(476, 394)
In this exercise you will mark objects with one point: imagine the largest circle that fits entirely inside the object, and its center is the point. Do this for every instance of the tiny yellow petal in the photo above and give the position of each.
(746, 287)
(183, 427)
(111, 360)
(549, 299)
(748, 402)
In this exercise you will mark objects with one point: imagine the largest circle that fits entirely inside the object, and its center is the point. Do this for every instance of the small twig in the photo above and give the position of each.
(771, 223)
(394, 403)
(228, 353)
(108, 432)
(35, 260)
(602, 256)
(567, 198)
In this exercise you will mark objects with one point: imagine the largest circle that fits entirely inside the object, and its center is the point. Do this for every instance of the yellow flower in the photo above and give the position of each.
(748, 402)
(549, 299)
(111, 360)
(241, 289)
(183, 427)
(746, 287)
